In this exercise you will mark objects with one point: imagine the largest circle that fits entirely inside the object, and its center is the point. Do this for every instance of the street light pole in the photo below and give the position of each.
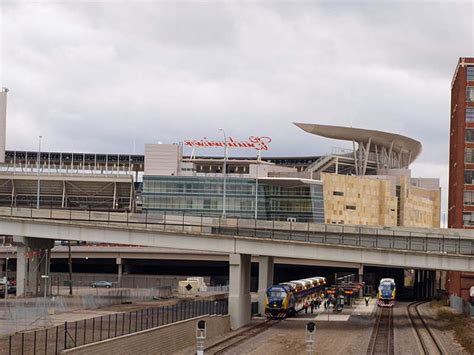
(256, 187)
(38, 168)
(225, 174)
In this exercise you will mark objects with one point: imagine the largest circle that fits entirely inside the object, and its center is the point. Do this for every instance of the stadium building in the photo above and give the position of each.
(367, 185)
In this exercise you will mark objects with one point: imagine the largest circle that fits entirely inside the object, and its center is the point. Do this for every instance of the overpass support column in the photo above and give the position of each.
(432, 283)
(417, 284)
(119, 272)
(31, 261)
(361, 279)
(265, 280)
(423, 284)
(44, 263)
(239, 290)
(426, 283)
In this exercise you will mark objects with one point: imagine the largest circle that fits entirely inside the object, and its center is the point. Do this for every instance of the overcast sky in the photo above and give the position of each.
(108, 76)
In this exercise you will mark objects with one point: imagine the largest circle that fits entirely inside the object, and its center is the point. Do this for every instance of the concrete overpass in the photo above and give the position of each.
(397, 247)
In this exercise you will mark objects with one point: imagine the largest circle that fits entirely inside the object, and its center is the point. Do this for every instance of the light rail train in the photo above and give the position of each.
(386, 293)
(288, 298)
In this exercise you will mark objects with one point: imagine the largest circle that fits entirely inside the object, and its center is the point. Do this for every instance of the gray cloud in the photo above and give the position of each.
(97, 76)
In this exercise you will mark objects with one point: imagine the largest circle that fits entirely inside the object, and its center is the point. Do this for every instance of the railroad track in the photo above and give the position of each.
(428, 341)
(382, 335)
(225, 345)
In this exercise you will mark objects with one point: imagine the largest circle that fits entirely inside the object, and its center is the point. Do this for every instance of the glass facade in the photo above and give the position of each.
(204, 195)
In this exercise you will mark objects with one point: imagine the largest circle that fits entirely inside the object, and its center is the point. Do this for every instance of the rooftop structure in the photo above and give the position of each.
(375, 149)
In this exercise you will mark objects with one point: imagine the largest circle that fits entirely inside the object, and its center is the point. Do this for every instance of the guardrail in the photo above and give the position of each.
(343, 235)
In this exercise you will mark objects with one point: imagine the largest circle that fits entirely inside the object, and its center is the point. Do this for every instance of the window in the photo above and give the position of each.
(338, 193)
(469, 198)
(470, 114)
(350, 207)
(468, 176)
(469, 155)
(468, 218)
(470, 73)
(469, 135)
(470, 93)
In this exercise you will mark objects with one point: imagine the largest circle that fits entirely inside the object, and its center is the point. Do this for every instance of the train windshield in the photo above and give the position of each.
(276, 293)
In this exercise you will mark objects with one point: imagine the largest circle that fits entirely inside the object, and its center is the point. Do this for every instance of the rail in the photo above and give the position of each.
(224, 345)
(424, 334)
(382, 338)
(344, 235)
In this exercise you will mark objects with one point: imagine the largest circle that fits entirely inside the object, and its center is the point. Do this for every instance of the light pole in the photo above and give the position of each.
(256, 187)
(225, 172)
(38, 168)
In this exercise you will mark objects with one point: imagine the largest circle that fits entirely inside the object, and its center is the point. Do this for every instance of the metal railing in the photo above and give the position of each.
(329, 234)
(69, 335)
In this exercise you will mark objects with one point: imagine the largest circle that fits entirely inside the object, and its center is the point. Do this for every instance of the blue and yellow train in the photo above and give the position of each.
(386, 293)
(288, 298)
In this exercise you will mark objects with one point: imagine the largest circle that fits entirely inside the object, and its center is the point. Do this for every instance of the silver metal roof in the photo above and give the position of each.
(396, 142)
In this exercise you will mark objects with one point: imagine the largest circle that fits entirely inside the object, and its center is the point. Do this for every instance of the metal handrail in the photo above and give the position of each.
(343, 235)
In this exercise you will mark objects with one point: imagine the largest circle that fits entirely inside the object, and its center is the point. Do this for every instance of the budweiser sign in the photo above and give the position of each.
(257, 143)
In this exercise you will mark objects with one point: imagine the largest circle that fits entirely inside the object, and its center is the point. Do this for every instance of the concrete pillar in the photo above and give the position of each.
(416, 285)
(31, 264)
(239, 290)
(2, 262)
(423, 284)
(432, 283)
(361, 279)
(119, 272)
(265, 279)
(21, 268)
(426, 284)
(44, 260)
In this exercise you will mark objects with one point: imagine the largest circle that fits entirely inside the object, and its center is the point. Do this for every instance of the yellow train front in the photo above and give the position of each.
(277, 301)
(386, 293)
(288, 298)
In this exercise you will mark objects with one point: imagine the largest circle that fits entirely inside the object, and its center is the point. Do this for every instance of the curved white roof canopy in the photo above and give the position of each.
(408, 147)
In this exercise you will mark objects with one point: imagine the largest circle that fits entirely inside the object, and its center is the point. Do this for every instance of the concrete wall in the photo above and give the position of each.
(162, 159)
(161, 340)
(358, 200)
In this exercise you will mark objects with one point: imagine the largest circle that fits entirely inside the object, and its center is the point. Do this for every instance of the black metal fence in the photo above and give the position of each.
(72, 334)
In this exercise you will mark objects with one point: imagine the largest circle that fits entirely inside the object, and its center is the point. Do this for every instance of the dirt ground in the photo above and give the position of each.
(454, 329)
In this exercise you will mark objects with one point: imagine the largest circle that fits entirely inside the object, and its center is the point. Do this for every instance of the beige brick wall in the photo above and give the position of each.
(370, 201)
(161, 340)
(358, 200)
(419, 207)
